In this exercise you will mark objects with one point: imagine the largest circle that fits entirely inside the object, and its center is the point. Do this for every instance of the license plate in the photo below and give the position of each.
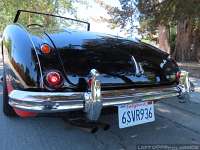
(135, 114)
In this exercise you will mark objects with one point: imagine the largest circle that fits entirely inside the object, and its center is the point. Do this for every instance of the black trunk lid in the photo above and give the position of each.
(111, 56)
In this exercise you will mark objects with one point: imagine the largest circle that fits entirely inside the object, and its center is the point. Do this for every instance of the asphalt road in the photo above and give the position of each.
(175, 123)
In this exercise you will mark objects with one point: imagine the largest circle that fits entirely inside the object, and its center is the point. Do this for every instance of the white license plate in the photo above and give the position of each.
(135, 114)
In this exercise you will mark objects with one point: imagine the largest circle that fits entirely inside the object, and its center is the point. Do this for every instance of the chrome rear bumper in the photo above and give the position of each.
(90, 102)
(68, 101)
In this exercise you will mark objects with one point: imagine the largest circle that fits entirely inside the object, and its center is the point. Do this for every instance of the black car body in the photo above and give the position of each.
(55, 69)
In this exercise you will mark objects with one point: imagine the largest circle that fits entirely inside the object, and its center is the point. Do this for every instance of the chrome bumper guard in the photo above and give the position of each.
(93, 101)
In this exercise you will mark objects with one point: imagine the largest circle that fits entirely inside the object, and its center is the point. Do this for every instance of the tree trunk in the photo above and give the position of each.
(196, 45)
(184, 50)
(163, 38)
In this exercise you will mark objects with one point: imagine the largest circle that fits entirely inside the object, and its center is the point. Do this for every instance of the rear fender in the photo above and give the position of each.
(21, 65)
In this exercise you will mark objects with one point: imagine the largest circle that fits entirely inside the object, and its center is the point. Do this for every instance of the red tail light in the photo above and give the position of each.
(89, 83)
(54, 79)
(178, 76)
(45, 48)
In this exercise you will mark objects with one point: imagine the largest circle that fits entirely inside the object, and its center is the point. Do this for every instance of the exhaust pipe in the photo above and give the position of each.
(86, 125)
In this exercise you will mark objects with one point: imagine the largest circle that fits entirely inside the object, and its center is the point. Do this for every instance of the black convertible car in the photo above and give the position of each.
(49, 68)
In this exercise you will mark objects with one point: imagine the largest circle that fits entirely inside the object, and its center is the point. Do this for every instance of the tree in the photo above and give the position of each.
(160, 16)
(123, 17)
(163, 38)
(9, 8)
(181, 13)
(130, 12)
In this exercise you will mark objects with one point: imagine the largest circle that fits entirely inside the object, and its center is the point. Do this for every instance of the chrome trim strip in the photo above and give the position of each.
(69, 101)
(137, 70)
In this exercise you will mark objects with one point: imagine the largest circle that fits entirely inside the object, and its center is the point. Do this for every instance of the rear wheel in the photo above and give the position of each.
(7, 109)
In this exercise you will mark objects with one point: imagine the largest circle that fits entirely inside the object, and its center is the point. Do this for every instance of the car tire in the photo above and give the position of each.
(7, 109)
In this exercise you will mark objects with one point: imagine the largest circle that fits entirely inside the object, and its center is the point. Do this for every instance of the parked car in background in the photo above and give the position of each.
(49, 68)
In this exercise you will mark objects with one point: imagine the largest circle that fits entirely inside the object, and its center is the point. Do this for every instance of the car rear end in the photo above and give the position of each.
(87, 71)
